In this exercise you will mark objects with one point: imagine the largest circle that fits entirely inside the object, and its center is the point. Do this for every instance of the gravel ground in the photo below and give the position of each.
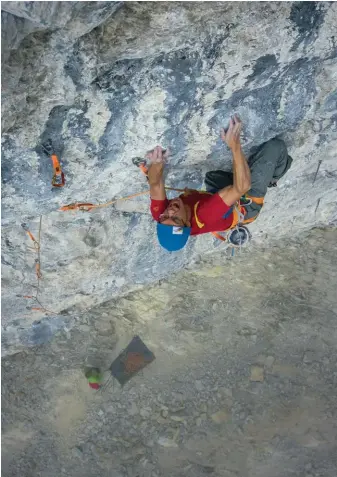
(244, 381)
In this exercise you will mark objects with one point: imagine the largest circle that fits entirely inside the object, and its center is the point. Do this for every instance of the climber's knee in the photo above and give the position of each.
(274, 147)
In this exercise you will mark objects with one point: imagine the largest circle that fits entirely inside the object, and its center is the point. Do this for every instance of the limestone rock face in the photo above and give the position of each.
(105, 82)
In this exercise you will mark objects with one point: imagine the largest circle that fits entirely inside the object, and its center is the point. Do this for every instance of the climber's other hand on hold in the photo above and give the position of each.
(231, 136)
(158, 155)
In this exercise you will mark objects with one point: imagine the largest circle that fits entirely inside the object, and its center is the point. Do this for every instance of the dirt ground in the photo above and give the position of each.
(243, 385)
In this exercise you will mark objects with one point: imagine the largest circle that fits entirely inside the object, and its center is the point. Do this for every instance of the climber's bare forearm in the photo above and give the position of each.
(156, 181)
(241, 169)
(242, 179)
(155, 173)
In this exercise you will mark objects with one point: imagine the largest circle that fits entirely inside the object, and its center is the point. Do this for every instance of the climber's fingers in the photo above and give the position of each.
(226, 134)
(157, 155)
(152, 155)
(230, 127)
(237, 126)
(166, 155)
(231, 135)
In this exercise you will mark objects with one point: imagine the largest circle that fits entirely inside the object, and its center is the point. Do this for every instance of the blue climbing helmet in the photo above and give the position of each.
(172, 237)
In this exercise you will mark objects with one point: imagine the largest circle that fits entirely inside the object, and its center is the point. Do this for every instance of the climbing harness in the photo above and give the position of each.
(239, 220)
(239, 213)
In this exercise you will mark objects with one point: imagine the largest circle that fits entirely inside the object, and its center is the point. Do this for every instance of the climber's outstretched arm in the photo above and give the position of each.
(157, 159)
(242, 180)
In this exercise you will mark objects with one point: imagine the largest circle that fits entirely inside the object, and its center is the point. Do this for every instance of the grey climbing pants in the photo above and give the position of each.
(268, 163)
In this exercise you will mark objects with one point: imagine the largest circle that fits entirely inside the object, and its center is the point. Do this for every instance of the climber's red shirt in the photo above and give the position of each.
(208, 211)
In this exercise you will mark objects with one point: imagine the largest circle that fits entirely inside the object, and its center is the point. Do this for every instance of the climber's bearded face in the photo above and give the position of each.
(176, 213)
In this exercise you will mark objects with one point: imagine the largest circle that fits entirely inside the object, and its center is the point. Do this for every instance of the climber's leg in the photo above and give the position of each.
(268, 163)
(216, 180)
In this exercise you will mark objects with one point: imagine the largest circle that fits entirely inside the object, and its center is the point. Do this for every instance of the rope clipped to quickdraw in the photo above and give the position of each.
(37, 248)
(87, 207)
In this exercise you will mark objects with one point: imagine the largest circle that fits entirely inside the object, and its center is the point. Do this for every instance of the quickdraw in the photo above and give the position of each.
(36, 247)
(31, 236)
(58, 179)
(85, 206)
(141, 164)
(38, 273)
(38, 268)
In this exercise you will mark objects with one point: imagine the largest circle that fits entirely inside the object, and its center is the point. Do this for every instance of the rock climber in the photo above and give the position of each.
(230, 198)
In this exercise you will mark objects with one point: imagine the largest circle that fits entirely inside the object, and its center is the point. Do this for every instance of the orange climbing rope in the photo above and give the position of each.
(88, 206)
